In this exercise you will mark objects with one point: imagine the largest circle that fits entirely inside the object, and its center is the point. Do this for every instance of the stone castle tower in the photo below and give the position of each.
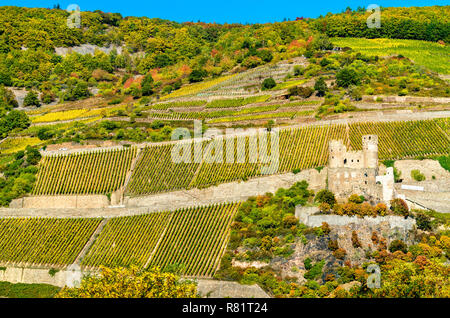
(353, 171)
(370, 151)
(340, 157)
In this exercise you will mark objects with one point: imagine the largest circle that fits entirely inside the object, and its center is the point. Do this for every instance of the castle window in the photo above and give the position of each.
(345, 161)
(366, 175)
(366, 182)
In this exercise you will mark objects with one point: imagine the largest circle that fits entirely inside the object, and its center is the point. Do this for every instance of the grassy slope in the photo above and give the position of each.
(27, 290)
(432, 55)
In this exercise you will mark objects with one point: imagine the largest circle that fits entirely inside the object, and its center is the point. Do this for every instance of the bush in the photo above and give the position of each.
(423, 221)
(308, 263)
(147, 85)
(324, 208)
(403, 92)
(333, 245)
(325, 196)
(298, 70)
(398, 245)
(326, 228)
(31, 99)
(355, 240)
(268, 83)
(197, 76)
(320, 86)
(399, 207)
(305, 92)
(315, 271)
(347, 77)
(417, 175)
(340, 253)
(356, 199)
(301, 91)
(355, 93)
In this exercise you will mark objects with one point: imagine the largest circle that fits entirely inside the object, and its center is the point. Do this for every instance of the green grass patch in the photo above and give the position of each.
(27, 290)
(237, 102)
(288, 84)
(444, 161)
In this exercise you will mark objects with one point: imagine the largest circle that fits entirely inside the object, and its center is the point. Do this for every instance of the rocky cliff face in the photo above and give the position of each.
(317, 248)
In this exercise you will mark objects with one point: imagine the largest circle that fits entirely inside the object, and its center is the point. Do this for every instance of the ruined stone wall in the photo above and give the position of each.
(344, 182)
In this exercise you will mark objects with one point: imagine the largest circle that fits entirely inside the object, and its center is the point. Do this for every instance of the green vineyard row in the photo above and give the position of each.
(192, 239)
(86, 173)
(44, 241)
(299, 148)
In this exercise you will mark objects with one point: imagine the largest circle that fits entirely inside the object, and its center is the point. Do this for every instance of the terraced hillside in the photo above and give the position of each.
(192, 239)
(299, 148)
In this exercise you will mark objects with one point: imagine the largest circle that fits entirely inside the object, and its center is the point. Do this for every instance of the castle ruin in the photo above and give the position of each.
(356, 172)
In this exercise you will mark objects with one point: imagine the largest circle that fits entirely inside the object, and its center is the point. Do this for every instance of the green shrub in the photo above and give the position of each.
(347, 77)
(320, 86)
(399, 207)
(325, 196)
(315, 271)
(423, 221)
(398, 245)
(417, 175)
(268, 83)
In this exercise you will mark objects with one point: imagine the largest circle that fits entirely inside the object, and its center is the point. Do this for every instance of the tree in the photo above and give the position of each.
(5, 79)
(33, 155)
(147, 85)
(398, 245)
(268, 83)
(320, 86)
(265, 55)
(15, 119)
(31, 99)
(321, 42)
(423, 221)
(131, 283)
(399, 207)
(76, 90)
(325, 196)
(347, 77)
(196, 76)
(7, 99)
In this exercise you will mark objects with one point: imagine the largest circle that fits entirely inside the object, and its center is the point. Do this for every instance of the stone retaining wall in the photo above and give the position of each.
(307, 217)
(73, 213)
(15, 275)
(62, 202)
(222, 289)
(229, 192)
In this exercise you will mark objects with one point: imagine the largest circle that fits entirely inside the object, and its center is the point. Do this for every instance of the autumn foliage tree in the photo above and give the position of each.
(131, 283)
